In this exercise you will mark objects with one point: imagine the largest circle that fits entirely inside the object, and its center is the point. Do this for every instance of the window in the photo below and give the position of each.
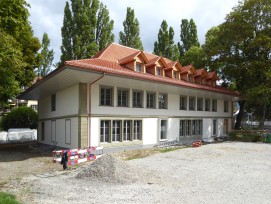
(183, 101)
(123, 98)
(116, 129)
(190, 78)
(192, 103)
(207, 104)
(182, 128)
(137, 129)
(105, 131)
(214, 105)
(53, 131)
(163, 130)
(162, 101)
(53, 102)
(226, 106)
(226, 126)
(159, 71)
(137, 99)
(151, 100)
(174, 74)
(34, 107)
(127, 128)
(106, 96)
(138, 67)
(200, 104)
(214, 127)
(188, 128)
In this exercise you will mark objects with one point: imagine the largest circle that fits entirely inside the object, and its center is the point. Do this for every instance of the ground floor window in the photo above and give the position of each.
(190, 128)
(120, 130)
(163, 130)
(214, 127)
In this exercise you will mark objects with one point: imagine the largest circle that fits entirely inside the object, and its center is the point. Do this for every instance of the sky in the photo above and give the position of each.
(47, 16)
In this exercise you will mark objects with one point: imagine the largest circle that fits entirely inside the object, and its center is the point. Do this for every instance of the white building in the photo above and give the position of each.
(126, 98)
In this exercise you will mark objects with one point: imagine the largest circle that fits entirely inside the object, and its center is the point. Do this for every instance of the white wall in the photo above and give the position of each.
(94, 131)
(150, 131)
(67, 102)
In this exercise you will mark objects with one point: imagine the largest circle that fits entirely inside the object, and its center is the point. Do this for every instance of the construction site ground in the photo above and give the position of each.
(228, 172)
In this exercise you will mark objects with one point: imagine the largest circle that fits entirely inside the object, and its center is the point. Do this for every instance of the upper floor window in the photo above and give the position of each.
(106, 96)
(123, 97)
(226, 106)
(207, 104)
(214, 105)
(200, 104)
(137, 99)
(138, 67)
(190, 78)
(53, 102)
(192, 103)
(150, 100)
(174, 74)
(162, 101)
(159, 71)
(183, 102)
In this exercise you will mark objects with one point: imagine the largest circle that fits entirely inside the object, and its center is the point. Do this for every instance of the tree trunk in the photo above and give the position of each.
(262, 118)
(237, 125)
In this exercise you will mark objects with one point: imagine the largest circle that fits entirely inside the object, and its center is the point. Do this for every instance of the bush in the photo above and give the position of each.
(8, 198)
(245, 136)
(22, 117)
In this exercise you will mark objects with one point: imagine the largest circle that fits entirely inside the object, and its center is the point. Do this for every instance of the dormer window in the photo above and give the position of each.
(174, 75)
(158, 71)
(190, 78)
(138, 67)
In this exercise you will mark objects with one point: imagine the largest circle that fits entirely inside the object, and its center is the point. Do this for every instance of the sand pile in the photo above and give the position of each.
(110, 169)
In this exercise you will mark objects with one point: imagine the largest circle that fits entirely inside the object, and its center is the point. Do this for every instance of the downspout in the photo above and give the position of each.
(89, 106)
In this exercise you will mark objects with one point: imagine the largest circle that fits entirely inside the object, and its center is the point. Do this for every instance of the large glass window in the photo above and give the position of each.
(207, 104)
(183, 102)
(182, 128)
(116, 130)
(105, 131)
(214, 105)
(137, 129)
(162, 101)
(200, 104)
(151, 100)
(188, 127)
(123, 98)
(106, 96)
(137, 99)
(192, 103)
(127, 129)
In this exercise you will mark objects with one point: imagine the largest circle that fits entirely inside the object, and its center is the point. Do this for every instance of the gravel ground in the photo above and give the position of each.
(229, 172)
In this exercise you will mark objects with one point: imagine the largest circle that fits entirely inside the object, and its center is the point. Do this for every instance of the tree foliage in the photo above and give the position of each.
(18, 48)
(131, 35)
(22, 117)
(165, 45)
(188, 36)
(45, 57)
(241, 49)
(86, 29)
(196, 56)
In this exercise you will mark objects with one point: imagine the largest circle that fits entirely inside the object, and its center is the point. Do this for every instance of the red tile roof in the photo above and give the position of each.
(107, 60)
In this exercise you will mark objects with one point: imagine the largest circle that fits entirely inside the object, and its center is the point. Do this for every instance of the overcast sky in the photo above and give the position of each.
(47, 16)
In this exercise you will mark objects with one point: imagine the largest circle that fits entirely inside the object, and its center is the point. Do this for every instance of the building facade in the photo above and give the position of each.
(125, 98)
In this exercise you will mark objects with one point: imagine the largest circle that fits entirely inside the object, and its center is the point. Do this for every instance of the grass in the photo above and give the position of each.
(7, 198)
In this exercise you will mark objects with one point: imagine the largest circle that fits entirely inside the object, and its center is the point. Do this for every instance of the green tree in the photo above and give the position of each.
(16, 30)
(131, 35)
(240, 48)
(165, 46)
(188, 35)
(196, 56)
(86, 29)
(104, 29)
(45, 56)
